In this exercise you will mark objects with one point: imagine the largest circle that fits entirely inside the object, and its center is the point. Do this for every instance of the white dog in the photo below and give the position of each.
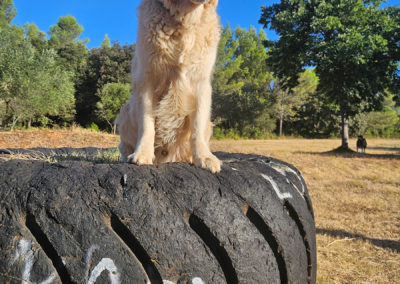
(167, 118)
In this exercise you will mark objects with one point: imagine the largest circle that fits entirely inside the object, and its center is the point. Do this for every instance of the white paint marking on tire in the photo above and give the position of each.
(89, 258)
(105, 264)
(282, 196)
(284, 170)
(25, 253)
(197, 280)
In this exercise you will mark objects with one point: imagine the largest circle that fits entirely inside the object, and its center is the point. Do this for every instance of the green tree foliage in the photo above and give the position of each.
(112, 97)
(66, 30)
(52, 91)
(7, 12)
(352, 44)
(378, 123)
(315, 118)
(309, 113)
(106, 42)
(241, 84)
(288, 102)
(64, 40)
(32, 85)
(104, 65)
(15, 54)
(36, 37)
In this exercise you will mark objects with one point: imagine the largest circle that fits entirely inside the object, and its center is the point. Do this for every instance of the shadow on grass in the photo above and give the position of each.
(393, 149)
(348, 153)
(386, 244)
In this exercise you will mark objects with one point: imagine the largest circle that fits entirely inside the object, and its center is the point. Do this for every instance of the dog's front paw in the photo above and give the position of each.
(209, 162)
(141, 158)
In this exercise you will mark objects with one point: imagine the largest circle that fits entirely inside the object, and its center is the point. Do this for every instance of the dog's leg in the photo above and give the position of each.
(144, 150)
(199, 123)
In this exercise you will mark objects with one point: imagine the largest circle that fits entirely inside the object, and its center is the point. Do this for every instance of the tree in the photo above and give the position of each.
(51, 90)
(241, 83)
(66, 30)
(7, 12)
(36, 36)
(32, 85)
(16, 53)
(353, 45)
(223, 84)
(64, 40)
(315, 118)
(106, 42)
(103, 65)
(289, 101)
(377, 123)
(112, 97)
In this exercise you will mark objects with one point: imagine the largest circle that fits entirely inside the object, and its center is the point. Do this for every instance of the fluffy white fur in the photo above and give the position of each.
(167, 118)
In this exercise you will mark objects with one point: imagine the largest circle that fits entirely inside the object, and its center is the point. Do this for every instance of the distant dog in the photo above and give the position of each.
(167, 118)
(361, 143)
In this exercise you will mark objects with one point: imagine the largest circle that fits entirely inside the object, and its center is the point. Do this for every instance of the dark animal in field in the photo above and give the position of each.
(361, 143)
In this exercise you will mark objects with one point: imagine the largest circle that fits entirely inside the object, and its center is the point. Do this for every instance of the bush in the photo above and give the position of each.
(248, 133)
(220, 133)
(94, 127)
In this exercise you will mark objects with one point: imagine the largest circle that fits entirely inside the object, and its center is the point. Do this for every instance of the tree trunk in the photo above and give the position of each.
(345, 131)
(14, 122)
(111, 126)
(281, 125)
(6, 116)
(7, 107)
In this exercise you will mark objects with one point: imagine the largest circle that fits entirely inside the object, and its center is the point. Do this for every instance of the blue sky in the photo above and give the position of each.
(118, 18)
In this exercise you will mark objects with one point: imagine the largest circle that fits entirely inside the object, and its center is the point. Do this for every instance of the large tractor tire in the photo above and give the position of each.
(82, 222)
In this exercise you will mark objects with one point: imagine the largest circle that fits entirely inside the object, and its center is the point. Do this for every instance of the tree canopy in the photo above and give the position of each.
(290, 102)
(7, 12)
(32, 85)
(112, 97)
(353, 45)
(66, 30)
(241, 84)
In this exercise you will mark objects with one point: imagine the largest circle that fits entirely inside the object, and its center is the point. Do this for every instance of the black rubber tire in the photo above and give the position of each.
(79, 222)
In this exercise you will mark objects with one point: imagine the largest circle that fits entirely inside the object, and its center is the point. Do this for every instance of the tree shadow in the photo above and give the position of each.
(353, 154)
(386, 244)
(393, 149)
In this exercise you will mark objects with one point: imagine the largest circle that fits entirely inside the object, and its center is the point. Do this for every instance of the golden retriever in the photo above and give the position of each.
(167, 118)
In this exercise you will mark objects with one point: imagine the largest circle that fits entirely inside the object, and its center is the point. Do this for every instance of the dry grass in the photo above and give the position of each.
(74, 137)
(356, 197)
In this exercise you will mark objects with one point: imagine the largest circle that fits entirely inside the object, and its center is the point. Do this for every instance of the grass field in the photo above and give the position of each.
(356, 197)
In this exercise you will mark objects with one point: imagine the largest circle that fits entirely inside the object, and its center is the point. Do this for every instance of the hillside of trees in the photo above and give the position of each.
(51, 79)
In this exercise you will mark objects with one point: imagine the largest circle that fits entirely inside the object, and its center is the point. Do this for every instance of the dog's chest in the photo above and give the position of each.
(175, 45)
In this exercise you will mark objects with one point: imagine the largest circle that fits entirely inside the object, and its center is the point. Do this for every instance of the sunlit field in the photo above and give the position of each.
(356, 197)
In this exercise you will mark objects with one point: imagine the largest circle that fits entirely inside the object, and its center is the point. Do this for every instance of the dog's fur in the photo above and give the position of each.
(167, 118)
